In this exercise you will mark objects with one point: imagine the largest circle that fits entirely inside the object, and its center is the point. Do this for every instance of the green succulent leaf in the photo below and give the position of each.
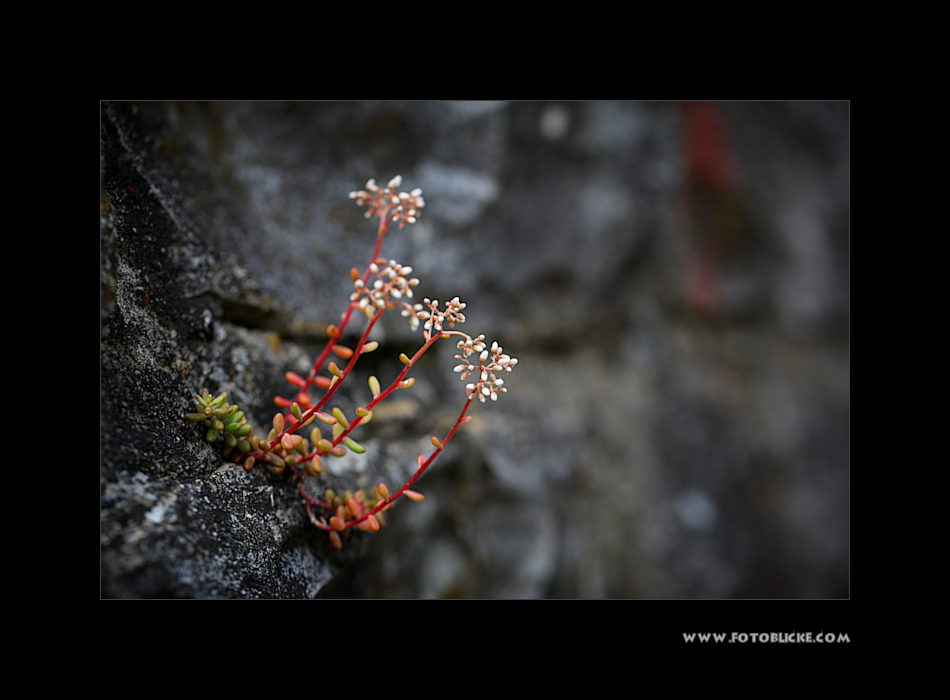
(354, 445)
(234, 417)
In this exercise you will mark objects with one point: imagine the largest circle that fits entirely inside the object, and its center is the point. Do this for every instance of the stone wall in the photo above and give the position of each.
(673, 277)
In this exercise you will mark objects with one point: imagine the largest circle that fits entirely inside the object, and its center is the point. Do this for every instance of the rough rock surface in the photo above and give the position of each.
(674, 279)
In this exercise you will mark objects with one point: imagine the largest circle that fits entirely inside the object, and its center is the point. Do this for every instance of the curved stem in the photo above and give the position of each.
(422, 467)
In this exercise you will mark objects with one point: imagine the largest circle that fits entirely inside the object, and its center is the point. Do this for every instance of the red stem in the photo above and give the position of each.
(425, 465)
(318, 363)
(383, 394)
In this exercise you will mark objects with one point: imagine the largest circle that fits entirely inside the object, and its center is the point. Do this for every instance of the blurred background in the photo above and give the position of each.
(674, 278)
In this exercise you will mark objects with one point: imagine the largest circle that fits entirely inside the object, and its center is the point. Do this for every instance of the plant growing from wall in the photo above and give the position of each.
(384, 285)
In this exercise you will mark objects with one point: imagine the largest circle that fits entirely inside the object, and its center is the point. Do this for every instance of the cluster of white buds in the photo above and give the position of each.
(490, 361)
(435, 319)
(392, 282)
(401, 207)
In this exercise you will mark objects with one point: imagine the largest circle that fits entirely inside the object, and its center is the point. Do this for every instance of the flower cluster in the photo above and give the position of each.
(392, 283)
(436, 320)
(490, 361)
(402, 207)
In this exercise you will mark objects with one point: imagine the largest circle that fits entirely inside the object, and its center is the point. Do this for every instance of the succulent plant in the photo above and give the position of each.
(384, 285)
